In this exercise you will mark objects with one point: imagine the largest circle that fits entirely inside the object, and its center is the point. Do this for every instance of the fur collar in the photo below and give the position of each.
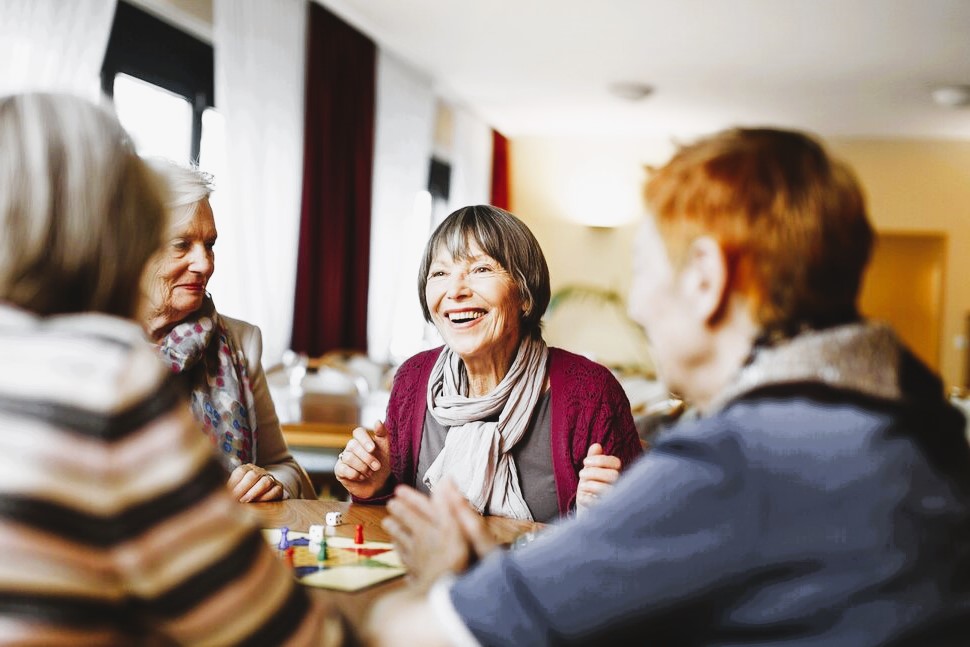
(861, 357)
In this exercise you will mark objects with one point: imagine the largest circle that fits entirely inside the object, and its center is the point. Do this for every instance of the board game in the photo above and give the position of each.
(349, 566)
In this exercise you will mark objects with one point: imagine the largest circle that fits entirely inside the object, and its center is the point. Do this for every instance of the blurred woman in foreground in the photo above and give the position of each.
(820, 497)
(115, 523)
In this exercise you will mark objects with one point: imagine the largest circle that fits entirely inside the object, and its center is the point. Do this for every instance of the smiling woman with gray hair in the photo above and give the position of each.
(526, 431)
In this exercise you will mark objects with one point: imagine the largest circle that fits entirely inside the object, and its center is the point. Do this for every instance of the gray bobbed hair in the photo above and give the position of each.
(506, 239)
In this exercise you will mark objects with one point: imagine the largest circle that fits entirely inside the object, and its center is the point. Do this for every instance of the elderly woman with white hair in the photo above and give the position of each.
(219, 356)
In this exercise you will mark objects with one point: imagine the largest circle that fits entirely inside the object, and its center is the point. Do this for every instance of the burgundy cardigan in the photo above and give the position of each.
(587, 406)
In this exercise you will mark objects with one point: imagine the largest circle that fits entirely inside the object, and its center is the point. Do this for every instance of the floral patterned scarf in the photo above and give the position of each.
(222, 399)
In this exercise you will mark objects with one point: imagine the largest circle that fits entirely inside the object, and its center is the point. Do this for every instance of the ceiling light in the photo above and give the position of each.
(630, 90)
(952, 96)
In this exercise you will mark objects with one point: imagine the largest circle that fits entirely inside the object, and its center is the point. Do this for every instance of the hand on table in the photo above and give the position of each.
(250, 483)
(436, 535)
(364, 465)
(597, 477)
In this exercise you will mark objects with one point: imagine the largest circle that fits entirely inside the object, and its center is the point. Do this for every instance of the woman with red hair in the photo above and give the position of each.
(820, 496)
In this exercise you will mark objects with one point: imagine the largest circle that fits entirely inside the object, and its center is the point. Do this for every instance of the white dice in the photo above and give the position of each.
(316, 533)
(334, 519)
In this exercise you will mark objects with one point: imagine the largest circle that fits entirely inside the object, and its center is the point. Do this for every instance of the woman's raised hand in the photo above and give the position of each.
(364, 465)
(598, 475)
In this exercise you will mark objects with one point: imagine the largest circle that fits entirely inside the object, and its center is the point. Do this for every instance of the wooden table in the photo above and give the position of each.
(299, 514)
(328, 435)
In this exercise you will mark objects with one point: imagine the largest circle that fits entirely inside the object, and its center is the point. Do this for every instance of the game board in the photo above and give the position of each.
(349, 566)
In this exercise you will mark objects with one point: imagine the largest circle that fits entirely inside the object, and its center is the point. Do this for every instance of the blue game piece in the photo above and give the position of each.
(284, 539)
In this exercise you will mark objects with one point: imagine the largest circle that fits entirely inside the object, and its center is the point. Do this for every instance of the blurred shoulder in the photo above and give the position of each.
(794, 430)
(90, 361)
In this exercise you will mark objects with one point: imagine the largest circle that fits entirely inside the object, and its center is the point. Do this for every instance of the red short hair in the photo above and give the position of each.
(791, 219)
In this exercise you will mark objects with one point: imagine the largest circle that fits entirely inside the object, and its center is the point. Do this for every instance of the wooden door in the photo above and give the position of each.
(904, 286)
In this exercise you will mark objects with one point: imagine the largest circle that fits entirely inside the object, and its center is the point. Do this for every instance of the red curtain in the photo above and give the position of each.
(330, 309)
(500, 170)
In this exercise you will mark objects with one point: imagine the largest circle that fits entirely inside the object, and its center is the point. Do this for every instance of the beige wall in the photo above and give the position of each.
(924, 186)
(555, 183)
(912, 186)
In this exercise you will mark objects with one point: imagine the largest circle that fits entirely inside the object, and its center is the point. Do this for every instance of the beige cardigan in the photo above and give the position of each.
(272, 453)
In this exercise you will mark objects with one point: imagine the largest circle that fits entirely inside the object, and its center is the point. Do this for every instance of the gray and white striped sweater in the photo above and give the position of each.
(115, 523)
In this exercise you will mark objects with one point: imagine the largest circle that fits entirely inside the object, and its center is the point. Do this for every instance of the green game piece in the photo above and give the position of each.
(322, 552)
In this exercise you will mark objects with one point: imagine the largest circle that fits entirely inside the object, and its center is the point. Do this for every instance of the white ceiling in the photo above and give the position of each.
(542, 67)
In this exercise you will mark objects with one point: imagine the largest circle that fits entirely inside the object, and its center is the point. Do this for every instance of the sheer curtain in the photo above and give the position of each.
(405, 108)
(53, 45)
(260, 67)
(471, 160)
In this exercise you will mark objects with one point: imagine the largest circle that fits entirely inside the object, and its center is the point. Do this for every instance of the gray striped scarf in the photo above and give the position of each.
(476, 453)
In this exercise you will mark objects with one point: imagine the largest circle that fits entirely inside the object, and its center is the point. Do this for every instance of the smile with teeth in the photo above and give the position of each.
(465, 316)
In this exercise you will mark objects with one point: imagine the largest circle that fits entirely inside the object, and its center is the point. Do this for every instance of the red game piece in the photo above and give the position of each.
(359, 534)
(288, 556)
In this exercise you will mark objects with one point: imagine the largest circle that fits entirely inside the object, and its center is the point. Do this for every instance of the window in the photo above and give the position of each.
(212, 152)
(161, 80)
(439, 186)
(159, 121)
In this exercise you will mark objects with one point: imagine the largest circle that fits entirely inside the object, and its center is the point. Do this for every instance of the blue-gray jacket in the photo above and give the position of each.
(826, 501)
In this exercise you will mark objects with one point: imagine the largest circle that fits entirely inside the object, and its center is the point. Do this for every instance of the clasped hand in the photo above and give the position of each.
(250, 483)
(437, 534)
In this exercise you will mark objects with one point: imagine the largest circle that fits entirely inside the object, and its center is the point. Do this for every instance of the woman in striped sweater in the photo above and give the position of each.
(115, 522)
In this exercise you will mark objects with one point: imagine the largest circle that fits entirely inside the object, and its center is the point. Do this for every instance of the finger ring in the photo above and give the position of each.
(340, 457)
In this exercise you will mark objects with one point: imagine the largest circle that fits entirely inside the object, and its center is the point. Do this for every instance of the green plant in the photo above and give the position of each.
(600, 304)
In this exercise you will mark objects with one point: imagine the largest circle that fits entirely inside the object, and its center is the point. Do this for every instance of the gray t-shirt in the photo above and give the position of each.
(532, 454)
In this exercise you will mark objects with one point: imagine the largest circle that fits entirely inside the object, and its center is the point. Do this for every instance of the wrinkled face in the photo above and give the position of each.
(181, 270)
(658, 303)
(474, 303)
